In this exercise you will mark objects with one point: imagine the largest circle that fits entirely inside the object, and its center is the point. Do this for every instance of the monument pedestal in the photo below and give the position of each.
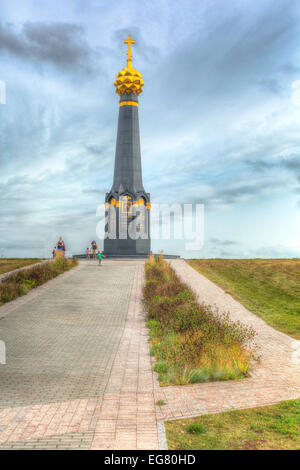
(127, 247)
(112, 256)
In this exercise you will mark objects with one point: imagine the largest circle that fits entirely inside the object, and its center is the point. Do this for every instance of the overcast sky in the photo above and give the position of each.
(219, 118)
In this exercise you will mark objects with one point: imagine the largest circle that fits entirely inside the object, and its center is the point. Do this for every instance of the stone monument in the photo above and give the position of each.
(127, 204)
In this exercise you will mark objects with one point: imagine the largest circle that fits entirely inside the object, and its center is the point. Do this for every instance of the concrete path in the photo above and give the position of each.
(76, 378)
(61, 342)
(61, 345)
(127, 419)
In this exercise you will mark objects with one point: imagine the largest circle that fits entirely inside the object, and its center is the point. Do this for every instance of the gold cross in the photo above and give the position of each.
(129, 41)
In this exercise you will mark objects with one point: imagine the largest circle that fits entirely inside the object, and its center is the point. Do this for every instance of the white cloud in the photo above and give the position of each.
(216, 116)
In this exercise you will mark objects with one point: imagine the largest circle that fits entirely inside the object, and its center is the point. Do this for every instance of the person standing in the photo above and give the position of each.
(94, 249)
(61, 247)
(87, 252)
(60, 244)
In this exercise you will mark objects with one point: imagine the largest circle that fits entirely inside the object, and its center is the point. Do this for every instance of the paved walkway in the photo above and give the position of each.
(276, 378)
(92, 381)
(76, 378)
(61, 345)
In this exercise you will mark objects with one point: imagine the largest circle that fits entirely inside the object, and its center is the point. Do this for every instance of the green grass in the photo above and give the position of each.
(269, 288)
(160, 402)
(20, 283)
(9, 264)
(275, 427)
(189, 342)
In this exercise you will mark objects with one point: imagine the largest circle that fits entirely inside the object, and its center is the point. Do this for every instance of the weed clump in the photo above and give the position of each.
(195, 429)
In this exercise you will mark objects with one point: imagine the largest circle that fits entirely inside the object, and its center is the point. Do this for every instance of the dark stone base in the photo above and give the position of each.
(126, 247)
(128, 256)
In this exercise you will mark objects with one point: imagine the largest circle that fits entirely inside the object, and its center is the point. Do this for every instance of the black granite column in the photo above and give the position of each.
(127, 190)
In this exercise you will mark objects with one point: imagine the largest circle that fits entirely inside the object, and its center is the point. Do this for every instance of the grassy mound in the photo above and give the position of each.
(189, 341)
(20, 283)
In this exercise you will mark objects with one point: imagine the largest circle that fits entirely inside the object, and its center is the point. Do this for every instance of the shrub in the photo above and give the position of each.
(27, 285)
(199, 375)
(160, 367)
(185, 295)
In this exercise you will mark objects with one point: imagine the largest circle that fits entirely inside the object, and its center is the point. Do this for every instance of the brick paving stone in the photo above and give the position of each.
(64, 442)
(114, 408)
(130, 383)
(99, 414)
(61, 345)
(60, 358)
(275, 378)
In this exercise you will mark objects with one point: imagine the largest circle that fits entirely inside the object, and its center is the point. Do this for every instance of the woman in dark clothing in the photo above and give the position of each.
(94, 249)
(61, 245)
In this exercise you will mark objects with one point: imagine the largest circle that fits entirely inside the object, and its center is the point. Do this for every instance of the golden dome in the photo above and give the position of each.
(129, 80)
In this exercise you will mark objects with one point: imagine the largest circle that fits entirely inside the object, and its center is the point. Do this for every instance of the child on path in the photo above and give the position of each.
(100, 256)
(87, 252)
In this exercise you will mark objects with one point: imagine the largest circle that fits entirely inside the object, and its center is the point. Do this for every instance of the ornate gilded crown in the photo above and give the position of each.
(129, 80)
